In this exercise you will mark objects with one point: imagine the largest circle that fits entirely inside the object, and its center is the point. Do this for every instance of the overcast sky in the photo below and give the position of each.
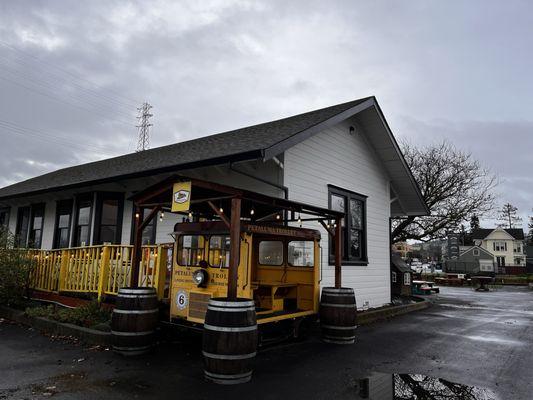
(72, 73)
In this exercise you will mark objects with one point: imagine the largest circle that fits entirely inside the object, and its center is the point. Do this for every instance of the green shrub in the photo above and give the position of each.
(87, 315)
(15, 272)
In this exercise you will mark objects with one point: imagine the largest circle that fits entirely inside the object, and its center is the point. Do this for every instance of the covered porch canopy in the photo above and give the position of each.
(231, 205)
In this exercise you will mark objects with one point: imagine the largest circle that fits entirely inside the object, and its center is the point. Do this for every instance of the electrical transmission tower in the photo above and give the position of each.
(144, 127)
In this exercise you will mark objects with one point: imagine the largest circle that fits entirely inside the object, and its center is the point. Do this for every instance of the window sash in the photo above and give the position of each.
(353, 226)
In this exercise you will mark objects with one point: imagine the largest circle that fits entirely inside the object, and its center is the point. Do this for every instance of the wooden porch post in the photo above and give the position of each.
(137, 247)
(235, 240)
(338, 253)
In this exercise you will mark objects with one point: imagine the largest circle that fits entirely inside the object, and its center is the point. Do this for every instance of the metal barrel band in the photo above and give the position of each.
(230, 376)
(338, 337)
(151, 311)
(338, 341)
(216, 308)
(228, 381)
(338, 305)
(137, 296)
(232, 304)
(340, 290)
(230, 328)
(338, 327)
(337, 294)
(145, 333)
(229, 356)
(136, 291)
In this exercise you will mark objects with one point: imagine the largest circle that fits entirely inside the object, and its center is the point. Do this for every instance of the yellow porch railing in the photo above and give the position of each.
(100, 269)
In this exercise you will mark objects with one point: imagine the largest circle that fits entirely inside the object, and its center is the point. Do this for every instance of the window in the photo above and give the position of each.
(4, 218)
(23, 226)
(82, 231)
(393, 277)
(63, 219)
(149, 230)
(475, 252)
(500, 261)
(270, 253)
(517, 248)
(219, 248)
(301, 253)
(518, 261)
(36, 226)
(190, 250)
(499, 246)
(406, 278)
(108, 222)
(353, 205)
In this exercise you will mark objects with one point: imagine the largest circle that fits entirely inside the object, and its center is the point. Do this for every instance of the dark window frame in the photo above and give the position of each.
(101, 197)
(153, 236)
(20, 241)
(346, 258)
(81, 198)
(7, 211)
(34, 208)
(63, 204)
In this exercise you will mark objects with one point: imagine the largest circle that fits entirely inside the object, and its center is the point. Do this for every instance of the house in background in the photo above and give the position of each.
(402, 248)
(472, 260)
(343, 157)
(506, 245)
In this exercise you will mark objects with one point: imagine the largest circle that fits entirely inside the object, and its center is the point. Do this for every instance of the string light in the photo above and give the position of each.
(162, 214)
(300, 220)
(278, 216)
(252, 211)
(190, 214)
(221, 209)
(137, 215)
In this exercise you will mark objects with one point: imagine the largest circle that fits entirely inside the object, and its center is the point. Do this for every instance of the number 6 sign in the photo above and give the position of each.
(181, 299)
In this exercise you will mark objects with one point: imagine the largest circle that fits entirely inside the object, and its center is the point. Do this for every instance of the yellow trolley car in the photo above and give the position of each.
(279, 268)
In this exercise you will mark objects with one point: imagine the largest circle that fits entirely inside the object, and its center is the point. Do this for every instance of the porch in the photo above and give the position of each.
(99, 270)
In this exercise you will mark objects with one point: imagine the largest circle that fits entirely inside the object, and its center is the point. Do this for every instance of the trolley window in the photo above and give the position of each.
(219, 251)
(190, 250)
(271, 253)
(301, 253)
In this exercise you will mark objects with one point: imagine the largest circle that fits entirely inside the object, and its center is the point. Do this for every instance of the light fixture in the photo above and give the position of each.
(278, 216)
(252, 211)
(221, 209)
(200, 277)
(190, 214)
(137, 215)
(300, 220)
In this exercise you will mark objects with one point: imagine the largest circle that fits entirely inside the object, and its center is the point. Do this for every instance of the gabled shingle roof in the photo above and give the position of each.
(482, 233)
(244, 143)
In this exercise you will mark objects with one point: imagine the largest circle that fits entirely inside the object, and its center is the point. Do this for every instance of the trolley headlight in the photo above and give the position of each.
(200, 277)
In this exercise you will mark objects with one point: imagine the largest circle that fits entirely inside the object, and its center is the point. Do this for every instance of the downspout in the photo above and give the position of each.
(280, 187)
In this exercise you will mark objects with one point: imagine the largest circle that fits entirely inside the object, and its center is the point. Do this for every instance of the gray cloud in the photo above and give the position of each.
(456, 70)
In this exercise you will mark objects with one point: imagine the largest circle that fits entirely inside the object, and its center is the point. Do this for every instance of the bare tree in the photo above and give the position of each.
(454, 186)
(509, 217)
(530, 234)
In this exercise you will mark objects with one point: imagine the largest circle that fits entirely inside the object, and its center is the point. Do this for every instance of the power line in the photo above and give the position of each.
(62, 101)
(117, 96)
(144, 127)
(45, 136)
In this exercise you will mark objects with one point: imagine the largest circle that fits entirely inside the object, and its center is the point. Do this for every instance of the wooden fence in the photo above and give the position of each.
(100, 269)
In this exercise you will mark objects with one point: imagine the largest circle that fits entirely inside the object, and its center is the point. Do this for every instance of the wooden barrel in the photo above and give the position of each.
(229, 340)
(338, 315)
(134, 320)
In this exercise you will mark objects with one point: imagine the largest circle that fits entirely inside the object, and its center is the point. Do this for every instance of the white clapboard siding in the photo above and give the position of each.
(337, 157)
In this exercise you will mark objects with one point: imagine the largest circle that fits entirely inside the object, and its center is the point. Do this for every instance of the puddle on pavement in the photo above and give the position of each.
(381, 386)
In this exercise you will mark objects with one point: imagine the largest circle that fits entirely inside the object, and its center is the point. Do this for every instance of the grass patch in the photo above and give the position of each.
(88, 315)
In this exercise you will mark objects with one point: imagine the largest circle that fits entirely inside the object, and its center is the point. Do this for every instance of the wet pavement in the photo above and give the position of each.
(480, 340)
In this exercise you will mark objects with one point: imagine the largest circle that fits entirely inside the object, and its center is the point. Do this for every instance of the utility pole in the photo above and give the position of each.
(144, 127)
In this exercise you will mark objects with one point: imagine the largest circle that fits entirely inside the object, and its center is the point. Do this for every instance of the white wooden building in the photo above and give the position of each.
(344, 157)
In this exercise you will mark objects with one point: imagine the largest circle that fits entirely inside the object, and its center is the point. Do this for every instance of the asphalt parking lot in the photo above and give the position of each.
(479, 339)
